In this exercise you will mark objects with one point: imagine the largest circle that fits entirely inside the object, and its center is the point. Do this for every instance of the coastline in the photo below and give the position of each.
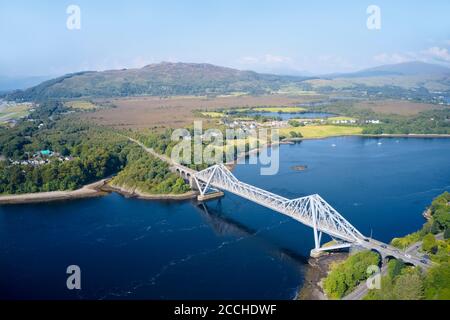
(96, 189)
(383, 135)
(87, 191)
(101, 188)
(134, 193)
(317, 270)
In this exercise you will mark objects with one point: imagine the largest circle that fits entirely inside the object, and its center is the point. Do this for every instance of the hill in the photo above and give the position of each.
(415, 80)
(162, 79)
(413, 68)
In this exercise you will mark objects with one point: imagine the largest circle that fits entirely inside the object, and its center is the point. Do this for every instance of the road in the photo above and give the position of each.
(413, 250)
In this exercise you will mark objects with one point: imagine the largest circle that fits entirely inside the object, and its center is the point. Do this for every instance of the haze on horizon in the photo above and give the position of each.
(287, 37)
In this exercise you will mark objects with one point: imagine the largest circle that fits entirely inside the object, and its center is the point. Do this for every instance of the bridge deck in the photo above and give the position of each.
(312, 211)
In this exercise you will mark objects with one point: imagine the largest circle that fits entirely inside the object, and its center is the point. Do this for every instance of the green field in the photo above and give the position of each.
(81, 105)
(212, 114)
(322, 131)
(340, 119)
(14, 112)
(277, 109)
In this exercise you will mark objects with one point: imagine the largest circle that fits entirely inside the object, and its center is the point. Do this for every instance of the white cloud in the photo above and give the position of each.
(386, 58)
(431, 55)
(440, 54)
(319, 64)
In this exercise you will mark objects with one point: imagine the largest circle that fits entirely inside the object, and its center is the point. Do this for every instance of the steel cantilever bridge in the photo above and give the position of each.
(312, 211)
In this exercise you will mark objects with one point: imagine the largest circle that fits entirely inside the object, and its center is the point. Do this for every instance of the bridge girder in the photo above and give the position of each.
(312, 210)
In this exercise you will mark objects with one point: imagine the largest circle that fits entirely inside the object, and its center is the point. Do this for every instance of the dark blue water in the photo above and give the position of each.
(136, 249)
(286, 116)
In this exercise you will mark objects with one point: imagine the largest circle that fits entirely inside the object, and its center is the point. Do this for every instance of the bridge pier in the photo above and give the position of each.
(210, 196)
(316, 253)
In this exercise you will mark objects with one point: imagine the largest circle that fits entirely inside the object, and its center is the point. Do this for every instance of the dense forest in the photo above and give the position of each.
(148, 175)
(83, 153)
(428, 122)
(346, 276)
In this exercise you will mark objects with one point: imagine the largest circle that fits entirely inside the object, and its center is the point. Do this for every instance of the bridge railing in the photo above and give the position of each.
(312, 211)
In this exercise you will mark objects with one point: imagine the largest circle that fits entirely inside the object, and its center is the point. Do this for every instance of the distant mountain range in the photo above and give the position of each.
(414, 68)
(162, 79)
(167, 79)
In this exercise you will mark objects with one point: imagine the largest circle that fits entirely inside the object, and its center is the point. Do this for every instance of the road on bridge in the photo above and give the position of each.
(361, 291)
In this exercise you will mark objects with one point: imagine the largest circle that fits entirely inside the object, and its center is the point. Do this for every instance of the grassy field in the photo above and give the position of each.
(278, 109)
(175, 112)
(340, 119)
(404, 108)
(212, 114)
(322, 131)
(14, 112)
(275, 109)
(81, 105)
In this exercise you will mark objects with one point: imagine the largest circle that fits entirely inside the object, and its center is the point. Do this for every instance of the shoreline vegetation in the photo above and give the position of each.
(87, 191)
(96, 189)
(92, 189)
(334, 270)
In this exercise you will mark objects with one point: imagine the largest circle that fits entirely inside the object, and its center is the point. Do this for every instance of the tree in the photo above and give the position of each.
(447, 234)
(294, 123)
(294, 134)
(408, 286)
(395, 268)
(437, 282)
(442, 217)
(344, 277)
(429, 243)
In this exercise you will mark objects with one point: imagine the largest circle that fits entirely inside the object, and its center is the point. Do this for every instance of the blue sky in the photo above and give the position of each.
(265, 35)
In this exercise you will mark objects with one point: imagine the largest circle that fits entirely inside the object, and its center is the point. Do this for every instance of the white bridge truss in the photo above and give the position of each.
(312, 211)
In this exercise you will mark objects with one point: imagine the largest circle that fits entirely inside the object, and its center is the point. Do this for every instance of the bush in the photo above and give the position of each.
(294, 134)
(447, 234)
(294, 123)
(429, 243)
(344, 277)
(437, 283)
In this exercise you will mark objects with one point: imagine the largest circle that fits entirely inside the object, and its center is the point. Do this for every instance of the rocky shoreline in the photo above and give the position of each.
(96, 189)
(317, 270)
(134, 193)
(88, 191)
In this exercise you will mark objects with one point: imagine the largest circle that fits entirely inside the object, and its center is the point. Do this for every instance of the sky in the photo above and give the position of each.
(277, 36)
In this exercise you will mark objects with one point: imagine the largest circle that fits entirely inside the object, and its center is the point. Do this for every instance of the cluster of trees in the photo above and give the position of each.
(148, 175)
(346, 276)
(439, 222)
(294, 134)
(404, 282)
(95, 153)
(428, 122)
(69, 175)
(295, 123)
(162, 143)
